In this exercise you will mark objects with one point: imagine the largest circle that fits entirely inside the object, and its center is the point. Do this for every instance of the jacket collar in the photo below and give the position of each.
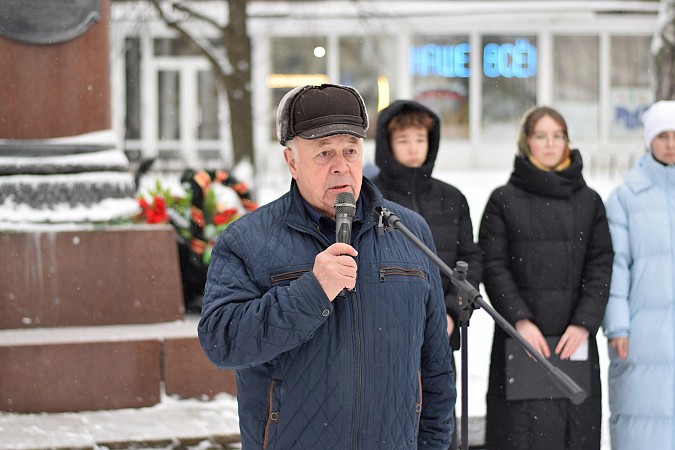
(298, 217)
(648, 172)
(557, 184)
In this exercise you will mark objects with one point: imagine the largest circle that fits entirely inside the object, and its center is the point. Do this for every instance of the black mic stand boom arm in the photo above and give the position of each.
(469, 294)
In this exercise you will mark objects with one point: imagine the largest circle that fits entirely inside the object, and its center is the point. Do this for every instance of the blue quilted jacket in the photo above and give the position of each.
(641, 215)
(367, 371)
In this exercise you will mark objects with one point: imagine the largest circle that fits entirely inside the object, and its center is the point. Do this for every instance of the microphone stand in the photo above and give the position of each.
(469, 299)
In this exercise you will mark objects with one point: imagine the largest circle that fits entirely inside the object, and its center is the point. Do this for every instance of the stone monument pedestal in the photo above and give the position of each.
(79, 275)
(91, 314)
(92, 318)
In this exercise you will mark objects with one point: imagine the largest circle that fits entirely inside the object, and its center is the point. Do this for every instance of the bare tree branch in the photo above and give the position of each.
(229, 54)
(196, 14)
(202, 43)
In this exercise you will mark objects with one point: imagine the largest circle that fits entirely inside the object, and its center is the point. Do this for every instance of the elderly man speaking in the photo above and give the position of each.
(336, 343)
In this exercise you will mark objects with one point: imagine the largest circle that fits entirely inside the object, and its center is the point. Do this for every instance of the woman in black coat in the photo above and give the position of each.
(547, 261)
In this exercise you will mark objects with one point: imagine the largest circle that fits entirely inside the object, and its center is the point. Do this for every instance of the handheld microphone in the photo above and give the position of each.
(345, 208)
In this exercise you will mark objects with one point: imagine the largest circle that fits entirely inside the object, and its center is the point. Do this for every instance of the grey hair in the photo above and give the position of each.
(292, 145)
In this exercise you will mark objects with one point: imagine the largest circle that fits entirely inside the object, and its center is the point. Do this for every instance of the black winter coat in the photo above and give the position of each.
(547, 257)
(443, 206)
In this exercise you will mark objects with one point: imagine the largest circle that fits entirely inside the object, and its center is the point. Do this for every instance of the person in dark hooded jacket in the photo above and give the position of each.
(406, 147)
(407, 141)
(547, 264)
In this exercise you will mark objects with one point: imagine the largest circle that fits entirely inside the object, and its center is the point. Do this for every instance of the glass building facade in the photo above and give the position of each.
(479, 65)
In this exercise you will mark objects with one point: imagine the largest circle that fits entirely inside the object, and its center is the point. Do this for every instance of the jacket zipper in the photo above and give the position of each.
(272, 416)
(293, 275)
(359, 371)
(386, 271)
(418, 406)
(413, 193)
(357, 341)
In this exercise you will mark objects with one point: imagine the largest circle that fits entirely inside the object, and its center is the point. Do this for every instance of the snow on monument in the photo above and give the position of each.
(59, 160)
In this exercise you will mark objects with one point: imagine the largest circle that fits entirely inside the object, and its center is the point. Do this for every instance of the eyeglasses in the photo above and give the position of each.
(543, 138)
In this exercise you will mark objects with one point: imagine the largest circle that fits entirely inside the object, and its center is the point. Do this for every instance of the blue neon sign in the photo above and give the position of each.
(506, 60)
(509, 60)
(449, 61)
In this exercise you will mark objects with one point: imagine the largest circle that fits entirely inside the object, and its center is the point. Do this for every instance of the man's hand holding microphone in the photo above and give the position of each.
(335, 267)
